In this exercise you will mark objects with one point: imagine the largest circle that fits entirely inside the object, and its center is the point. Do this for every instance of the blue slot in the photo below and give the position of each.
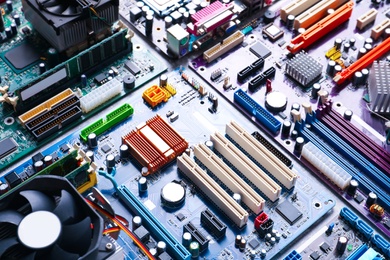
(349, 216)
(370, 254)
(176, 249)
(294, 255)
(255, 109)
(381, 244)
(358, 252)
(363, 228)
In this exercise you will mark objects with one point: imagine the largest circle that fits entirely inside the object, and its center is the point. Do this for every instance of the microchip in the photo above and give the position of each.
(260, 50)
(37, 157)
(100, 78)
(290, 213)
(13, 179)
(132, 67)
(117, 158)
(359, 198)
(387, 224)
(282, 115)
(7, 146)
(180, 216)
(164, 256)
(142, 234)
(254, 243)
(273, 32)
(26, 30)
(65, 148)
(106, 148)
(135, 13)
(325, 247)
(346, 228)
(281, 43)
(22, 56)
(315, 255)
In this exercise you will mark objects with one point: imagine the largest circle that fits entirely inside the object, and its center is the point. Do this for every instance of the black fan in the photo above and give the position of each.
(66, 7)
(48, 219)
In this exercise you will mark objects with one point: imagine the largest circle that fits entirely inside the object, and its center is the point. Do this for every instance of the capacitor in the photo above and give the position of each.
(237, 197)
(286, 128)
(8, 33)
(331, 68)
(361, 53)
(161, 247)
(10, 7)
(38, 166)
(163, 80)
(371, 199)
(148, 24)
(330, 11)
(274, 232)
(14, 29)
(369, 41)
(337, 69)
(237, 240)
(42, 68)
(337, 43)
(346, 47)
(352, 42)
(294, 134)
(299, 143)
(341, 245)
(4, 187)
(357, 78)
(192, 11)
(365, 73)
(204, 4)
(52, 57)
(144, 171)
(17, 19)
(136, 222)
(352, 188)
(268, 237)
(168, 21)
(150, 12)
(215, 103)
(253, 254)
(272, 241)
(140, 4)
(111, 73)
(368, 47)
(188, 151)
(186, 17)
(142, 185)
(84, 80)
(48, 160)
(194, 249)
(295, 106)
(129, 82)
(153, 251)
(186, 239)
(2, 25)
(124, 151)
(277, 237)
(386, 33)
(269, 16)
(263, 253)
(242, 244)
(182, 10)
(209, 144)
(90, 155)
(92, 140)
(314, 90)
(290, 21)
(110, 161)
(144, 9)
(301, 30)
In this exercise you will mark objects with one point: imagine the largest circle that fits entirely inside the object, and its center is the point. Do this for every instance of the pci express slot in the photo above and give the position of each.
(174, 247)
(315, 13)
(322, 28)
(351, 154)
(45, 106)
(365, 184)
(354, 137)
(196, 236)
(212, 190)
(212, 223)
(364, 62)
(247, 167)
(57, 123)
(111, 119)
(229, 178)
(284, 159)
(53, 112)
(255, 109)
(261, 154)
(296, 7)
(221, 48)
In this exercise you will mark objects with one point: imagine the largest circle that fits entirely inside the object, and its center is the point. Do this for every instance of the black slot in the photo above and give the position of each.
(196, 236)
(212, 224)
(265, 228)
(269, 73)
(243, 74)
(259, 64)
(255, 83)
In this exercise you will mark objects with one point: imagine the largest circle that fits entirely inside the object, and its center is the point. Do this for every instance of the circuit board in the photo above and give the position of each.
(195, 130)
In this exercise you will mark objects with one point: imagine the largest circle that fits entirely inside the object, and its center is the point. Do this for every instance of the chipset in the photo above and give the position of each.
(273, 32)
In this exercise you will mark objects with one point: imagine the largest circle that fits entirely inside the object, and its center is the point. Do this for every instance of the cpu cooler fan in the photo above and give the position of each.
(47, 219)
(66, 23)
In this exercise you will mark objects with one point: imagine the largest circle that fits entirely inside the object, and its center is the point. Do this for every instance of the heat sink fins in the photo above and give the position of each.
(379, 89)
(303, 68)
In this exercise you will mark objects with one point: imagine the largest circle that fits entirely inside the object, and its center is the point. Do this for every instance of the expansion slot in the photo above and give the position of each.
(326, 165)
(366, 18)
(322, 28)
(221, 48)
(212, 190)
(100, 95)
(315, 13)
(255, 109)
(174, 247)
(377, 31)
(268, 160)
(45, 106)
(296, 7)
(247, 167)
(364, 62)
(103, 124)
(253, 200)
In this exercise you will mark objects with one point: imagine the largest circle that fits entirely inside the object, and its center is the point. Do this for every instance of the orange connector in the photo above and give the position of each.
(363, 62)
(155, 95)
(321, 28)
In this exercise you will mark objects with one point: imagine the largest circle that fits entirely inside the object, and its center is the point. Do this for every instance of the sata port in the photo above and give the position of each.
(258, 64)
(243, 74)
(256, 82)
(212, 224)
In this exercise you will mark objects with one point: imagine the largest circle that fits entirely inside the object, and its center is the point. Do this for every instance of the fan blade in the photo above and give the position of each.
(38, 200)
(66, 209)
(71, 10)
(76, 238)
(58, 253)
(30, 256)
(58, 9)
(10, 216)
(7, 243)
(49, 3)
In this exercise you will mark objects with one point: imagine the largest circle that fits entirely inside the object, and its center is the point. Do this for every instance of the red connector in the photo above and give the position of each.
(260, 219)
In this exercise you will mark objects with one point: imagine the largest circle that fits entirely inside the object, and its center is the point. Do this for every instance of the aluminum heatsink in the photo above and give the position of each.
(303, 68)
(379, 88)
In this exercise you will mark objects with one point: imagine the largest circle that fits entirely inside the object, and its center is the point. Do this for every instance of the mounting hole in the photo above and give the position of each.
(9, 120)
(317, 205)
(158, 29)
(138, 47)
(201, 102)
(202, 69)
(158, 40)
(338, 104)
(287, 142)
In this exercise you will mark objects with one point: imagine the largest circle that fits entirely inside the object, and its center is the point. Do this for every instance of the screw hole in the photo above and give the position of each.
(201, 102)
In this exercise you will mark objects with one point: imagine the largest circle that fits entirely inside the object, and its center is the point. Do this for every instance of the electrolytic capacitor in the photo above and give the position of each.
(161, 247)
(237, 197)
(153, 251)
(242, 244)
(295, 106)
(194, 249)
(290, 21)
(142, 185)
(361, 53)
(341, 245)
(209, 144)
(145, 9)
(352, 188)
(330, 11)
(84, 80)
(348, 114)
(136, 222)
(314, 90)
(368, 47)
(337, 43)
(371, 199)
(163, 80)
(337, 69)
(294, 134)
(110, 161)
(2, 25)
(268, 237)
(17, 19)
(386, 33)
(14, 28)
(352, 42)
(128, 82)
(124, 151)
(237, 240)
(42, 68)
(365, 73)
(4, 187)
(10, 7)
(263, 253)
(140, 4)
(346, 47)
(369, 41)
(90, 155)
(357, 78)
(301, 30)
(38, 166)
(92, 140)
(148, 24)
(331, 68)
(111, 73)
(278, 237)
(272, 241)
(48, 160)
(186, 239)
(286, 128)
(168, 21)
(8, 32)
(299, 143)
(215, 103)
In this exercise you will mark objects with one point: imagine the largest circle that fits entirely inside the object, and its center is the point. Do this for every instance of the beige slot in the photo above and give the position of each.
(220, 49)
(260, 153)
(45, 106)
(215, 192)
(366, 18)
(296, 8)
(377, 31)
(215, 164)
(247, 167)
(316, 13)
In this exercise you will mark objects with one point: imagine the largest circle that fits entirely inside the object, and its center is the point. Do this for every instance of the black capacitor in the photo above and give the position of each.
(295, 106)
(369, 41)
(48, 160)
(110, 161)
(2, 25)
(314, 90)
(368, 47)
(42, 68)
(17, 19)
(242, 245)
(337, 43)
(149, 24)
(84, 80)
(290, 21)
(92, 140)
(142, 185)
(163, 80)
(161, 247)
(386, 33)
(348, 114)
(294, 134)
(129, 82)
(286, 128)
(352, 42)
(14, 28)
(215, 103)
(10, 7)
(341, 245)
(136, 222)
(4, 187)
(352, 188)
(361, 53)
(90, 155)
(337, 69)
(371, 199)
(347, 45)
(124, 151)
(38, 166)
(8, 33)
(299, 143)
(238, 240)
(186, 17)
(365, 73)
(331, 67)
(269, 16)
(357, 78)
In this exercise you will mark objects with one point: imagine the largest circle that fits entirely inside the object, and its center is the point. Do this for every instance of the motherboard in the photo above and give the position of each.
(189, 129)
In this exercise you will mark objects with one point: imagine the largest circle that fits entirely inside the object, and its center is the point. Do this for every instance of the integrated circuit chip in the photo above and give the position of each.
(260, 50)
(290, 213)
(7, 146)
(254, 243)
(132, 67)
(106, 148)
(273, 32)
(19, 62)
